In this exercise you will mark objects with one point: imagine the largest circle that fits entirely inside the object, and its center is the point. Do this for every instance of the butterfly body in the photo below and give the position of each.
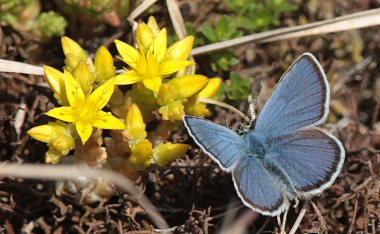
(286, 156)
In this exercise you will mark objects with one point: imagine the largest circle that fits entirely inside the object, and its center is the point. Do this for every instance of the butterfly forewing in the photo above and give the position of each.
(220, 143)
(300, 99)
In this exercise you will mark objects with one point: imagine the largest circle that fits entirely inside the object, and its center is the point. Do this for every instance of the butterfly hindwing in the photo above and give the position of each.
(257, 187)
(220, 143)
(312, 159)
(300, 99)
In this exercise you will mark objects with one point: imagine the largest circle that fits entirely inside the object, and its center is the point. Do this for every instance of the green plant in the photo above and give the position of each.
(24, 15)
(236, 88)
(49, 24)
(259, 15)
(225, 29)
(90, 7)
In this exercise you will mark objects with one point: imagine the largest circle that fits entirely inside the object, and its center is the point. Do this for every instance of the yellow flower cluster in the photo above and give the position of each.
(82, 104)
(143, 153)
(163, 82)
(164, 77)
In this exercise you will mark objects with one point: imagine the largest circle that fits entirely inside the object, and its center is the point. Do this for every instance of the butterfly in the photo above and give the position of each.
(286, 156)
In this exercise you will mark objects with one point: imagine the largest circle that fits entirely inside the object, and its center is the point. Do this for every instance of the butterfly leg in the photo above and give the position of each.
(296, 202)
(283, 224)
(299, 218)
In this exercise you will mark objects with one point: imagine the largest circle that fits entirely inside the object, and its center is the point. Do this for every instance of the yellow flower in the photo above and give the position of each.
(172, 111)
(135, 127)
(181, 49)
(212, 88)
(85, 76)
(152, 24)
(85, 112)
(69, 46)
(180, 88)
(104, 65)
(150, 65)
(141, 155)
(194, 107)
(166, 153)
(55, 80)
(172, 95)
(73, 53)
(58, 136)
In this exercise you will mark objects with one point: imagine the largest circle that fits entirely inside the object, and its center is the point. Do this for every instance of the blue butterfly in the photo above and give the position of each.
(286, 156)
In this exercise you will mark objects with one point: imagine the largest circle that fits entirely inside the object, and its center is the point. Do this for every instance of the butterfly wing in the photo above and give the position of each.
(257, 187)
(311, 159)
(222, 144)
(301, 98)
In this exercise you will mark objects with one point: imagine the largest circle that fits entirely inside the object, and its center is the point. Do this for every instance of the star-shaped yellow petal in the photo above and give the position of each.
(85, 112)
(169, 67)
(128, 54)
(152, 62)
(74, 91)
(153, 84)
(65, 113)
(128, 77)
(84, 130)
(106, 120)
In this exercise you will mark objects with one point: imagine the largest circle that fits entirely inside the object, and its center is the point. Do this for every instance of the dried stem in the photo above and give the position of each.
(59, 172)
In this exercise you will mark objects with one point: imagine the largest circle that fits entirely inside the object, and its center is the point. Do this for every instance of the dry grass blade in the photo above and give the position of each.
(18, 67)
(140, 9)
(343, 23)
(177, 19)
(299, 218)
(58, 172)
(348, 22)
(242, 223)
(321, 220)
(225, 105)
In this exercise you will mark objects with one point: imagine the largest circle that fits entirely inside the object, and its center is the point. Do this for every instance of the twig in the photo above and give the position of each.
(225, 105)
(20, 118)
(348, 22)
(264, 225)
(279, 221)
(351, 228)
(18, 67)
(358, 188)
(241, 224)
(299, 218)
(58, 172)
(343, 23)
(233, 209)
(320, 217)
(177, 19)
(283, 225)
(140, 9)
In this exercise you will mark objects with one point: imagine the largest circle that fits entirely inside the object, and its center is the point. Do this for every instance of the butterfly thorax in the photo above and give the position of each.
(260, 150)
(256, 145)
